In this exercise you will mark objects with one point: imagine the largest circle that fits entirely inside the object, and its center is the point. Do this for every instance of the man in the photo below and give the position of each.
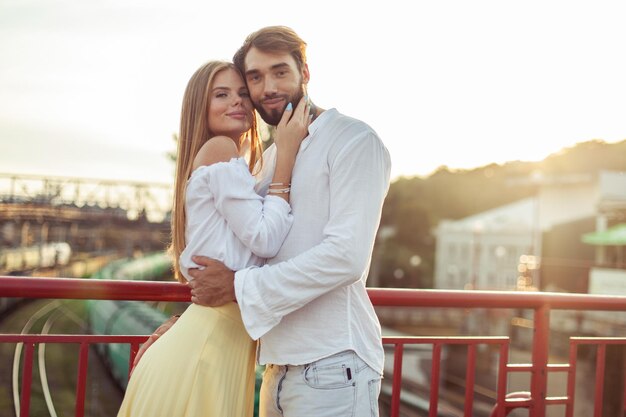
(319, 335)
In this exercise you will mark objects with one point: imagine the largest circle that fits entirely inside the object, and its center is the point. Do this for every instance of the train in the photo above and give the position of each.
(110, 317)
(7, 304)
(15, 261)
(45, 255)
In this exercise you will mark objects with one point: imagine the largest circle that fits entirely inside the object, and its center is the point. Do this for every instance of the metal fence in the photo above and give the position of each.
(535, 399)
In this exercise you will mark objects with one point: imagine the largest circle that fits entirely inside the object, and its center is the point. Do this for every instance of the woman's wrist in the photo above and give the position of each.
(285, 155)
(285, 163)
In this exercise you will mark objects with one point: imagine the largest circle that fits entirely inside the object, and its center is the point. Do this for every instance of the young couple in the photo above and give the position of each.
(275, 249)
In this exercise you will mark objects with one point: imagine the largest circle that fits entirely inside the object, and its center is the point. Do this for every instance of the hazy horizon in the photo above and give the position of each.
(94, 89)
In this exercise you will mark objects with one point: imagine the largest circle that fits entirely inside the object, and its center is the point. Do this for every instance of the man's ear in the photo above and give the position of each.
(306, 76)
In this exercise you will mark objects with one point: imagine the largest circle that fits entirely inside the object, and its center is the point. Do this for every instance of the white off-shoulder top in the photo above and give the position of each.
(228, 221)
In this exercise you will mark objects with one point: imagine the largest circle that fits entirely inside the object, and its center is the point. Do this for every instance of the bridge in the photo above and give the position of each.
(90, 214)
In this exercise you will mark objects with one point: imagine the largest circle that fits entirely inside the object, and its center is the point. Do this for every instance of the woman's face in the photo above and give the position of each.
(230, 108)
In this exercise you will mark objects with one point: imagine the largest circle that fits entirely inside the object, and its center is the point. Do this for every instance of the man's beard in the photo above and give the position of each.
(273, 117)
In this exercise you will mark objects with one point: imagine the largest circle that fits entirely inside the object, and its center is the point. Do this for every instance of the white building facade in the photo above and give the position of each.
(501, 248)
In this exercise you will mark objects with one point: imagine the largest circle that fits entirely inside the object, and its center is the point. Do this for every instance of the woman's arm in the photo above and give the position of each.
(290, 131)
(260, 224)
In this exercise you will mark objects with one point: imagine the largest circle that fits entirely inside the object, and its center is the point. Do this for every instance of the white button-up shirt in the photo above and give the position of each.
(310, 300)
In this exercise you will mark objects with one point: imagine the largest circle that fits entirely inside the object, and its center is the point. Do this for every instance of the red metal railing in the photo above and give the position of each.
(536, 400)
(84, 341)
(438, 343)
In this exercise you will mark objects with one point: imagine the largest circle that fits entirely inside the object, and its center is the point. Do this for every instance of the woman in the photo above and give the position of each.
(204, 365)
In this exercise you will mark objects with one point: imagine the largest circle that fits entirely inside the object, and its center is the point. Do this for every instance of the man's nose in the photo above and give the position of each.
(270, 87)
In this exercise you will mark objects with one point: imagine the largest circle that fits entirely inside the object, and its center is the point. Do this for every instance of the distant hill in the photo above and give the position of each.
(414, 206)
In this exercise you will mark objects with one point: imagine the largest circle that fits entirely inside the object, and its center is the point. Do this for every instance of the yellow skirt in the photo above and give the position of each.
(203, 366)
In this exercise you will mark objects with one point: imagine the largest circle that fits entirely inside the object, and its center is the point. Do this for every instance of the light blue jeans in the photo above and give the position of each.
(341, 385)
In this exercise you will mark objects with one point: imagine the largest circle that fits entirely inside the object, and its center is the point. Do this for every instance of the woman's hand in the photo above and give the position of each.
(293, 128)
(153, 338)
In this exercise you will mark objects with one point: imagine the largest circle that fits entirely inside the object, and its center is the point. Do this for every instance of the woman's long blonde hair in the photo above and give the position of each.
(195, 132)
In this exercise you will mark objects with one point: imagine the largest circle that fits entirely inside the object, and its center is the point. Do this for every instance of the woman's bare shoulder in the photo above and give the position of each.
(216, 149)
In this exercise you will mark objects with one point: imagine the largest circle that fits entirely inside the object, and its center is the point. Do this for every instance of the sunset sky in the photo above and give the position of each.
(93, 88)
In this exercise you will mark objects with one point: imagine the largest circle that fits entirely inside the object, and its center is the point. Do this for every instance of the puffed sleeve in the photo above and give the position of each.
(260, 223)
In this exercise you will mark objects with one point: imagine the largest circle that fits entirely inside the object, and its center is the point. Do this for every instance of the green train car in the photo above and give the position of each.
(110, 317)
(122, 318)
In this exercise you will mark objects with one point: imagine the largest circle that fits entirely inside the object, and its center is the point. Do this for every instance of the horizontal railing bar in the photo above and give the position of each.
(494, 299)
(73, 288)
(559, 367)
(519, 367)
(76, 338)
(557, 400)
(71, 338)
(517, 402)
(93, 289)
(527, 367)
(597, 340)
(90, 338)
(466, 340)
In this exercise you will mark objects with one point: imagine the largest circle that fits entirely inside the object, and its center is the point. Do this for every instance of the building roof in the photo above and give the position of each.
(518, 215)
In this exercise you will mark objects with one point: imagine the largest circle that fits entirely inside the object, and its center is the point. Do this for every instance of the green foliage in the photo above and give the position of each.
(587, 157)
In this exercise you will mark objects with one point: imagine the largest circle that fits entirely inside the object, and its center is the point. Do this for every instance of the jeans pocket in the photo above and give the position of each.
(374, 391)
(330, 376)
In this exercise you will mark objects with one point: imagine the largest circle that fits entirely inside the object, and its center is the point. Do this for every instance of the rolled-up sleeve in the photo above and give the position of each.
(358, 183)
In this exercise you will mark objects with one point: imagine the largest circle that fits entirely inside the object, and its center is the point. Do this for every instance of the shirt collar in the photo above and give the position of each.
(321, 120)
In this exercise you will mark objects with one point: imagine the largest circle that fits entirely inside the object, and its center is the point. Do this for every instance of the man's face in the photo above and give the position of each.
(273, 81)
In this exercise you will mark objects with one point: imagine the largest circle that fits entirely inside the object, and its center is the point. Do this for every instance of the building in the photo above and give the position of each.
(535, 242)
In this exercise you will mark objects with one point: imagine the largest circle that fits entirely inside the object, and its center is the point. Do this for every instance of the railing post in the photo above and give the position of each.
(470, 371)
(27, 379)
(502, 380)
(599, 384)
(81, 380)
(134, 349)
(539, 377)
(434, 381)
(571, 379)
(396, 386)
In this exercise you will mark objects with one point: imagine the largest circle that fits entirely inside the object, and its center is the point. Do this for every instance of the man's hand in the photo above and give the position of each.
(212, 286)
(153, 338)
